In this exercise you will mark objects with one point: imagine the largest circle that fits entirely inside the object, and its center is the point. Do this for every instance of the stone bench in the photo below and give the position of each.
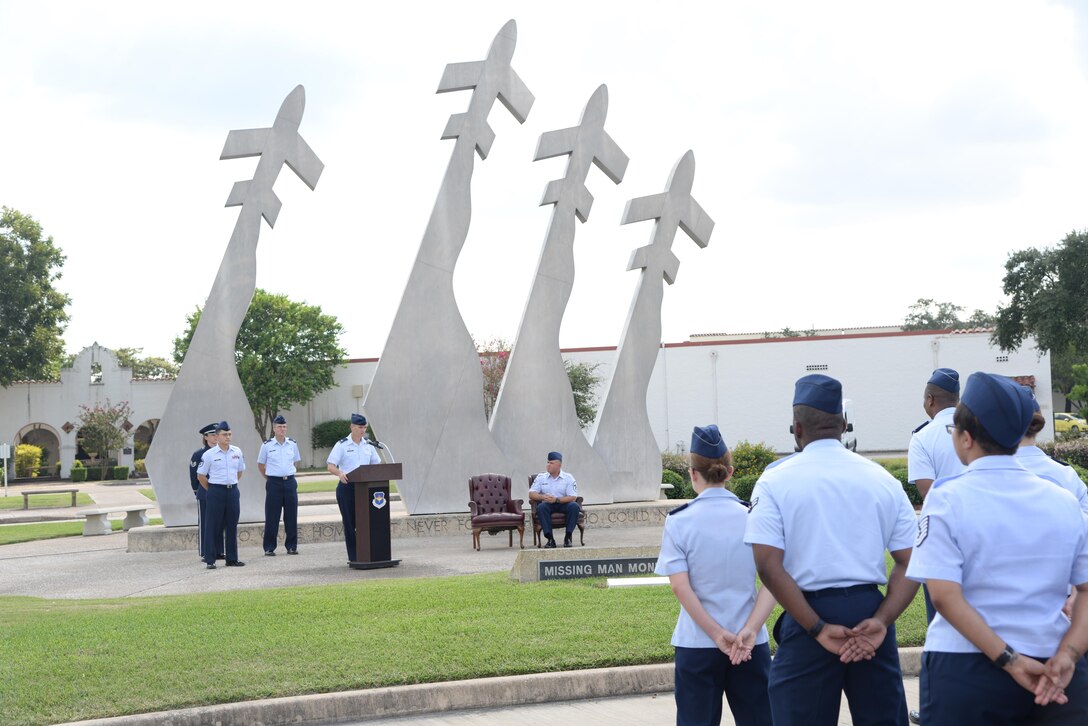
(26, 495)
(98, 519)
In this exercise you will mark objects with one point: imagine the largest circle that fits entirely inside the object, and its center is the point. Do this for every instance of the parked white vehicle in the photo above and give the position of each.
(849, 437)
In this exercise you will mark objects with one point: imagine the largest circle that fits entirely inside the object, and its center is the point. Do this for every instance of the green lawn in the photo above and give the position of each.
(149, 493)
(76, 659)
(14, 500)
(14, 533)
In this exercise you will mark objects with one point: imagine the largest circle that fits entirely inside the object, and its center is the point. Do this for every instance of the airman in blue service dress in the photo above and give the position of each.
(998, 547)
(201, 494)
(819, 526)
(220, 469)
(276, 462)
(720, 636)
(348, 454)
(555, 491)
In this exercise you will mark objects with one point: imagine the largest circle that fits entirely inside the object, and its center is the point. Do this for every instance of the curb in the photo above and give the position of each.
(426, 698)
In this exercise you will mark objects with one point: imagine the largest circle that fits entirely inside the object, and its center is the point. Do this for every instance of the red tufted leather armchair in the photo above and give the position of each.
(559, 520)
(492, 510)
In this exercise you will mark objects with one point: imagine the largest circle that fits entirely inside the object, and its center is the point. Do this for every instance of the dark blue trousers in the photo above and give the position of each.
(280, 497)
(345, 499)
(807, 682)
(223, 510)
(703, 674)
(966, 689)
(202, 522)
(544, 512)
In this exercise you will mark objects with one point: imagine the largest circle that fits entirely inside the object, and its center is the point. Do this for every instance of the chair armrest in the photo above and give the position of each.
(472, 509)
(579, 500)
(514, 506)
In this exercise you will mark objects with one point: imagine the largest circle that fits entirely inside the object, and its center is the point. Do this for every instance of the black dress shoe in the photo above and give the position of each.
(550, 544)
(210, 566)
(220, 557)
(567, 542)
(235, 563)
(269, 553)
(292, 552)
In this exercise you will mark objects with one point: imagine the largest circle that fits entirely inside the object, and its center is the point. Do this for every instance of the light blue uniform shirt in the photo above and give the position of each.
(222, 467)
(1036, 461)
(1014, 542)
(348, 455)
(705, 538)
(279, 459)
(931, 454)
(556, 486)
(833, 513)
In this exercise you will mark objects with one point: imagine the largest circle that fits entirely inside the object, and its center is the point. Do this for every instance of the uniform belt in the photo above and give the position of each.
(228, 486)
(284, 478)
(831, 591)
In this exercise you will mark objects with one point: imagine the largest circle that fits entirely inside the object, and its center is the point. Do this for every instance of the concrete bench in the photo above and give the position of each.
(98, 519)
(26, 495)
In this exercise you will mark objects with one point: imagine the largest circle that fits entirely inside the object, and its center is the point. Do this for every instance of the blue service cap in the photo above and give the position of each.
(222, 426)
(358, 419)
(1002, 407)
(209, 429)
(947, 379)
(1034, 400)
(707, 441)
(818, 391)
(554, 456)
(279, 419)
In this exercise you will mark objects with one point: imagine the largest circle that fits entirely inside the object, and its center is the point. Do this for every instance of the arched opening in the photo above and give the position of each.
(141, 440)
(48, 440)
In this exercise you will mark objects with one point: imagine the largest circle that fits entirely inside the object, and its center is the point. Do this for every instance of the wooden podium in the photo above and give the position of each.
(372, 531)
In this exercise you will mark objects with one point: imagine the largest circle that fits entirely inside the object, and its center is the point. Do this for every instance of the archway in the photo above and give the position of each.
(45, 437)
(142, 438)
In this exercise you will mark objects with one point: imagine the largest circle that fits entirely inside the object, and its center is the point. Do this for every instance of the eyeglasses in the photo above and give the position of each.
(950, 428)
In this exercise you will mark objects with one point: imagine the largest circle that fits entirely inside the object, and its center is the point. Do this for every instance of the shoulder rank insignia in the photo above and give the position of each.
(920, 427)
(923, 531)
(752, 506)
(681, 508)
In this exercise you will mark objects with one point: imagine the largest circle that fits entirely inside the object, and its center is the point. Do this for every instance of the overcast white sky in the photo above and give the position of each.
(855, 155)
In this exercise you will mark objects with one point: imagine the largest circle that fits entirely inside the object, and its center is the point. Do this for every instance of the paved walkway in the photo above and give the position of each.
(47, 569)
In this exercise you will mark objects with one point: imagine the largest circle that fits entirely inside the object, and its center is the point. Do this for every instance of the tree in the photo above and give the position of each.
(286, 354)
(1078, 393)
(495, 354)
(32, 316)
(151, 368)
(928, 314)
(1048, 291)
(101, 427)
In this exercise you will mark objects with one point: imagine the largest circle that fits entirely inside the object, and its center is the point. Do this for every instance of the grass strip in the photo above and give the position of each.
(62, 660)
(14, 500)
(149, 493)
(15, 533)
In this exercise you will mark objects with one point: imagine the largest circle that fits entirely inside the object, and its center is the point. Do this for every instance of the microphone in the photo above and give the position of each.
(375, 443)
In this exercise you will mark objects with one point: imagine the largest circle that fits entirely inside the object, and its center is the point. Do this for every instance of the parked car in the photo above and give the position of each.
(849, 437)
(1069, 422)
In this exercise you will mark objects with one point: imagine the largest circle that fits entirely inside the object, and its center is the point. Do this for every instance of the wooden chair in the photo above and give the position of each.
(559, 519)
(492, 510)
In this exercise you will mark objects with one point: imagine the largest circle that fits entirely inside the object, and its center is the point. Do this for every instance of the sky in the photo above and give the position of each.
(855, 156)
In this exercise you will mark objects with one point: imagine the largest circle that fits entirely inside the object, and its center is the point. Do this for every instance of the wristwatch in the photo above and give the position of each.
(816, 629)
(1008, 655)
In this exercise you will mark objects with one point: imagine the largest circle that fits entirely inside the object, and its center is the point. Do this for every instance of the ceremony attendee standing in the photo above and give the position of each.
(720, 637)
(220, 469)
(210, 438)
(276, 462)
(1035, 460)
(555, 491)
(998, 547)
(348, 454)
(819, 526)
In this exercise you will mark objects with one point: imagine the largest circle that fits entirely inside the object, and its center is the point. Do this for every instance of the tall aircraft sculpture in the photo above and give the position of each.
(622, 435)
(208, 388)
(534, 412)
(426, 398)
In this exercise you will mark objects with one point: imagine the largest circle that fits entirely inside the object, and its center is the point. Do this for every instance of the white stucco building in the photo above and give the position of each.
(743, 383)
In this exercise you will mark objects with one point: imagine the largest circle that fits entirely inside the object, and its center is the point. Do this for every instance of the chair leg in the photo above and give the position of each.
(476, 539)
(511, 533)
(521, 536)
(582, 533)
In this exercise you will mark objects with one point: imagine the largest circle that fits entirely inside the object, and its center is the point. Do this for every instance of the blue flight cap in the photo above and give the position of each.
(358, 419)
(707, 441)
(1002, 407)
(209, 429)
(279, 419)
(1034, 400)
(818, 391)
(947, 379)
(222, 426)
(554, 456)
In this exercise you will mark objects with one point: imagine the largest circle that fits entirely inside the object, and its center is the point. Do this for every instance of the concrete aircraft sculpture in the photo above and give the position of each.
(623, 436)
(426, 398)
(208, 388)
(535, 411)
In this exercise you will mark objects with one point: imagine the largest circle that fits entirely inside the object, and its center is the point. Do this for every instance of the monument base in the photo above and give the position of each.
(372, 565)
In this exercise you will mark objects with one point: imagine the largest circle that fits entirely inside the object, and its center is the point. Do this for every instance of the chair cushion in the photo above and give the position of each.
(498, 519)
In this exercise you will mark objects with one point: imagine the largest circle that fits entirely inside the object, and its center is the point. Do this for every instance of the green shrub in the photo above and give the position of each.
(119, 472)
(751, 459)
(141, 466)
(27, 459)
(325, 435)
(1073, 451)
(742, 486)
(79, 473)
(677, 463)
(668, 476)
(94, 473)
